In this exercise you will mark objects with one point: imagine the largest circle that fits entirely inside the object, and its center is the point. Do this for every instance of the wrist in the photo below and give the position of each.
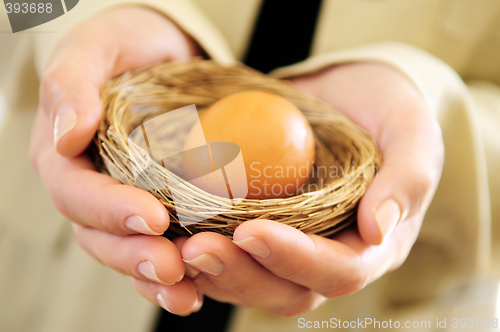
(176, 42)
(374, 86)
(367, 92)
(182, 45)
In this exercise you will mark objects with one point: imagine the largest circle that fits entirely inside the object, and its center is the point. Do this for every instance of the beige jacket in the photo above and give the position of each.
(48, 284)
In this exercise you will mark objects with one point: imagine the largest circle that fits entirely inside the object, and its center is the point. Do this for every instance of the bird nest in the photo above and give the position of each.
(346, 158)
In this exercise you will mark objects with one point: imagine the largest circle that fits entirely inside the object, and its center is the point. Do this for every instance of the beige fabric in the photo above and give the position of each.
(184, 13)
(48, 284)
(464, 183)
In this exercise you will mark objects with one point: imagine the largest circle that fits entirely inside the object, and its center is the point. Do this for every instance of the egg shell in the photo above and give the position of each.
(275, 138)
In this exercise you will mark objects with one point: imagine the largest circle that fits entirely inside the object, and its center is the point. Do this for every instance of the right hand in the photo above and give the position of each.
(287, 272)
(118, 225)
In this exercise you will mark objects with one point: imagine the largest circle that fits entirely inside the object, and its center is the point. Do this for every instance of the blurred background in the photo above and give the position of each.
(480, 298)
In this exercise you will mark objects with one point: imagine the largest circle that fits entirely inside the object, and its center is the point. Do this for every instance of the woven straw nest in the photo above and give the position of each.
(346, 159)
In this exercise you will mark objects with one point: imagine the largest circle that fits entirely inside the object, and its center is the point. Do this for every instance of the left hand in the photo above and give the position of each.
(117, 225)
(287, 272)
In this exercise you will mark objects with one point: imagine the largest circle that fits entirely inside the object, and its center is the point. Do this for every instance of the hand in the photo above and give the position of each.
(286, 272)
(118, 225)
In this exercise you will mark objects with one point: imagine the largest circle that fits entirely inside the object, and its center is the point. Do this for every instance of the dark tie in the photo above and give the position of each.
(283, 33)
(282, 36)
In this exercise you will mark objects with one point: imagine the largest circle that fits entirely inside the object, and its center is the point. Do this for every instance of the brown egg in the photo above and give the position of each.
(276, 141)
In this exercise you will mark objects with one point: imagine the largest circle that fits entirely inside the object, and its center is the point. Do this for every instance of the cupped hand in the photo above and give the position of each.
(118, 225)
(286, 272)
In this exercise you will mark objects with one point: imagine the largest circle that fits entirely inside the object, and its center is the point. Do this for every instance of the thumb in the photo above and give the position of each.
(70, 98)
(403, 188)
(121, 39)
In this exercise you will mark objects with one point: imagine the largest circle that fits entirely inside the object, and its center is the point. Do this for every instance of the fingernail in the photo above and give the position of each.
(161, 302)
(147, 269)
(387, 216)
(190, 271)
(65, 121)
(255, 246)
(198, 304)
(137, 224)
(208, 263)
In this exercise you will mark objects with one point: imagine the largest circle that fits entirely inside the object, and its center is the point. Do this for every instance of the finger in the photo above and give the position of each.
(93, 52)
(190, 271)
(203, 284)
(181, 299)
(407, 179)
(102, 202)
(330, 267)
(233, 270)
(206, 286)
(152, 258)
(390, 108)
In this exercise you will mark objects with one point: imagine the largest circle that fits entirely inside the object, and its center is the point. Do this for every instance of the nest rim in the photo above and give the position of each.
(136, 96)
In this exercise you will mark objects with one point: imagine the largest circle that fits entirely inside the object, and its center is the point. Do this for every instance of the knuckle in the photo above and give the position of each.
(397, 264)
(335, 290)
(287, 312)
(350, 285)
(33, 159)
(294, 272)
(82, 241)
(49, 82)
(58, 203)
(241, 289)
(423, 181)
(359, 283)
(49, 87)
(423, 184)
(302, 304)
(78, 234)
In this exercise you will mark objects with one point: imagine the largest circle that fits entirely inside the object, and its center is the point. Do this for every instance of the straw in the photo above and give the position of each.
(135, 97)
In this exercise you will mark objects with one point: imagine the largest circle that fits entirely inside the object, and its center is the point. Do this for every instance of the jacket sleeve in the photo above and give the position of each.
(184, 13)
(454, 243)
